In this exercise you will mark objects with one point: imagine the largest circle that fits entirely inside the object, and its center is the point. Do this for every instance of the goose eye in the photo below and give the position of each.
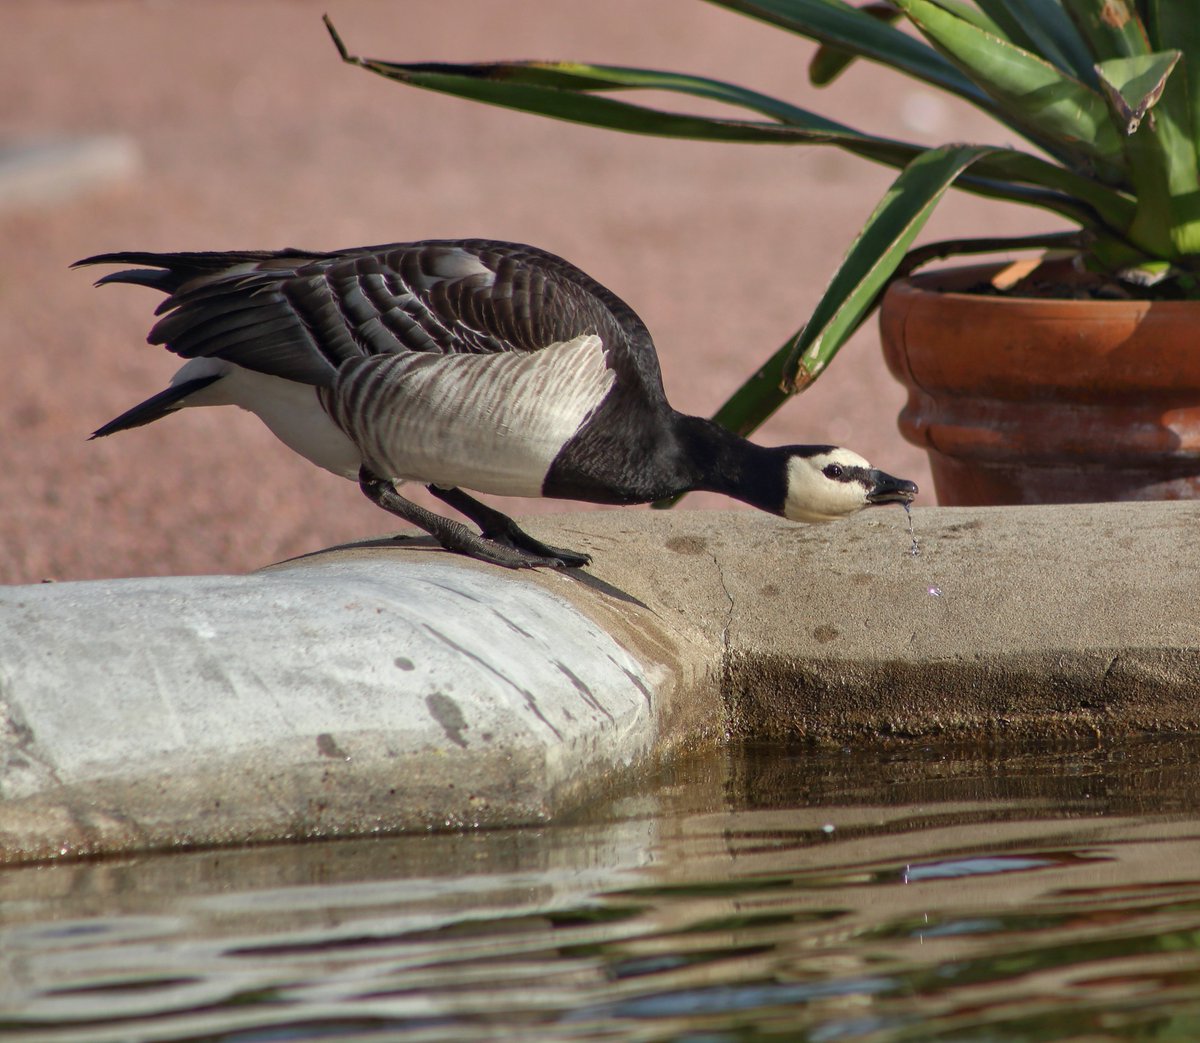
(832, 471)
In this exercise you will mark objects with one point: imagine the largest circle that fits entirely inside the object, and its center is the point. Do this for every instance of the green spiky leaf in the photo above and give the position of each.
(877, 252)
(1052, 107)
(830, 62)
(1134, 85)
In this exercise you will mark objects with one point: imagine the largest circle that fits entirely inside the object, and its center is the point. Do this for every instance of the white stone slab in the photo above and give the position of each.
(270, 704)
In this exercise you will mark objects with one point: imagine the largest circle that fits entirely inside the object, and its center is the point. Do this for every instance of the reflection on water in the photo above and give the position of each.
(916, 894)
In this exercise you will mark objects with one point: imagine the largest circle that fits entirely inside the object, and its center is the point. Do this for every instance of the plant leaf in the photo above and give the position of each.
(839, 25)
(1151, 93)
(1112, 29)
(1050, 106)
(1172, 24)
(582, 78)
(566, 90)
(1177, 117)
(1134, 85)
(852, 31)
(854, 291)
(875, 254)
(830, 62)
(1044, 28)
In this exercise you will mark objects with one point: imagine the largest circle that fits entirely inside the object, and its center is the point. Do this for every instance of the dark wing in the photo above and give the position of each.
(301, 315)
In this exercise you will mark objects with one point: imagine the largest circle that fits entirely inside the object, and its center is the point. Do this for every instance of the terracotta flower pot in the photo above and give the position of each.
(1032, 400)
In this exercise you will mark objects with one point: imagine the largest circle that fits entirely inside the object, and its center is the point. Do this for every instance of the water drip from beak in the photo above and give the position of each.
(914, 550)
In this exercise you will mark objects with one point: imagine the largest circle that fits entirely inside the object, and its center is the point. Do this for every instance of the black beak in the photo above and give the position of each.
(886, 489)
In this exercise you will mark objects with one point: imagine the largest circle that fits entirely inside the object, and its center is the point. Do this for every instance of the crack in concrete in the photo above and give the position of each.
(729, 613)
(726, 661)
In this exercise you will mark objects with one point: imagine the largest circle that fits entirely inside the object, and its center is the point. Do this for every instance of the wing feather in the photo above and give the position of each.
(304, 316)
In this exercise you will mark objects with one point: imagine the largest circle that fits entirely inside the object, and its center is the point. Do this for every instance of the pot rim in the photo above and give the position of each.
(946, 282)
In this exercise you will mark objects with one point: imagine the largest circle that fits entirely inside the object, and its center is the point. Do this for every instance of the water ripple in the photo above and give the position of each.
(762, 894)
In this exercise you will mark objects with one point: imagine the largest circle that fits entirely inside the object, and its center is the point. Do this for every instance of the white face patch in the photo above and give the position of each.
(827, 486)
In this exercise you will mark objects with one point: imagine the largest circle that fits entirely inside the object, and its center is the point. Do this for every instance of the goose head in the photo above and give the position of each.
(827, 482)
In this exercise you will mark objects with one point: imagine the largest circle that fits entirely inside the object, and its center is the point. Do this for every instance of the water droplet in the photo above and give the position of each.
(914, 550)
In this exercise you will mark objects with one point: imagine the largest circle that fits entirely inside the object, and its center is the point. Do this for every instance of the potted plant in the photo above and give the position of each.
(1107, 92)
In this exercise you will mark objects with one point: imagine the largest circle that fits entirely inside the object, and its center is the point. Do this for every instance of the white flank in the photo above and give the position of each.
(491, 423)
(290, 409)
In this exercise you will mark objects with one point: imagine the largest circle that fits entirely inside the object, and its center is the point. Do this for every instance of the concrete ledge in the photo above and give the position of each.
(1029, 622)
(391, 686)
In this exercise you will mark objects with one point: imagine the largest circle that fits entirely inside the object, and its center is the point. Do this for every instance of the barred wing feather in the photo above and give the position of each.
(492, 423)
(302, 315)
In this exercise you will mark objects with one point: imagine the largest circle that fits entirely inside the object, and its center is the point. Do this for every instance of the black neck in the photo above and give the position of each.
(722, 462)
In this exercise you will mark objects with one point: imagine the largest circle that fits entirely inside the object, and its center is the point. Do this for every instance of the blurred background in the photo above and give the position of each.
(174, 125)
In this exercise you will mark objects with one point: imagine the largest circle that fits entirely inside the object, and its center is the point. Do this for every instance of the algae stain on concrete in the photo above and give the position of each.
(527, 695)
(585, 693)
(636, 681)
(445, 711)
(327, 747)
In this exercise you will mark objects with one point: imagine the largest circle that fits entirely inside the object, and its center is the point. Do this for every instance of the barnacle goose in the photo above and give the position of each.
(466, 364)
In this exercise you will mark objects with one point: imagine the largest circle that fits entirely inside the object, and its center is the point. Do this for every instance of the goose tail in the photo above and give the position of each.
(168, 272)
(156, 407)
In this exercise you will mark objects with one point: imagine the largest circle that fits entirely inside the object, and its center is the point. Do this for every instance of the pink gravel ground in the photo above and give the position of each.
(254, 135)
